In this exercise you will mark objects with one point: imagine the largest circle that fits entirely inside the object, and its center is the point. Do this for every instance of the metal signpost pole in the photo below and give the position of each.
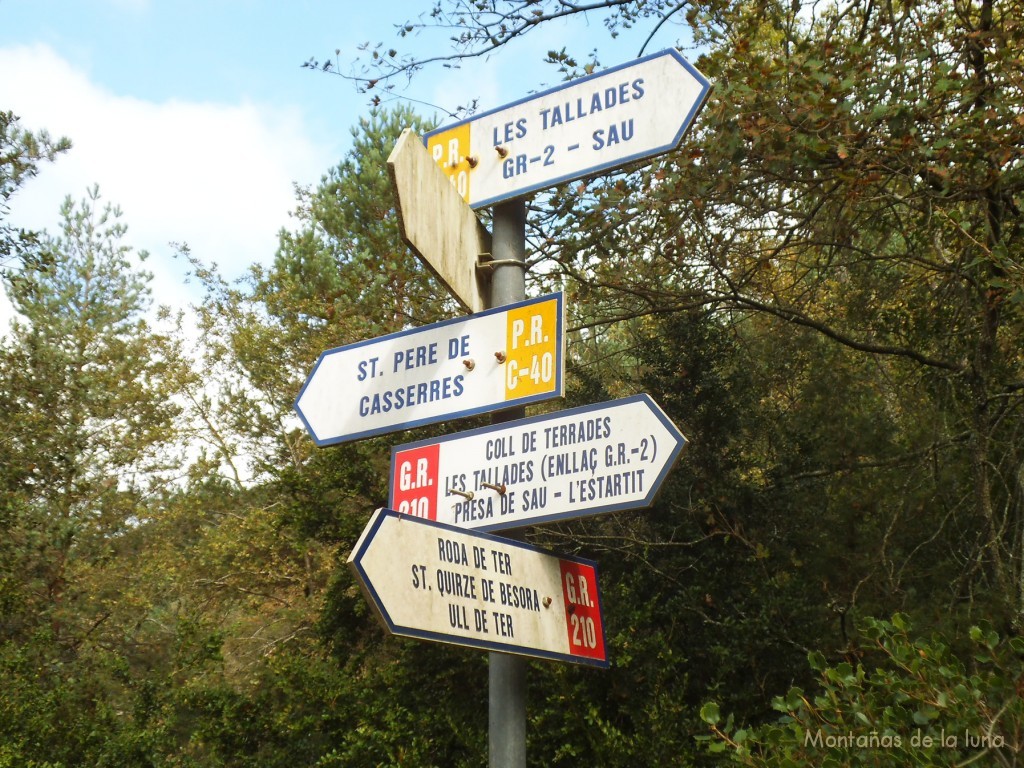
(597, 123)
(507, 673)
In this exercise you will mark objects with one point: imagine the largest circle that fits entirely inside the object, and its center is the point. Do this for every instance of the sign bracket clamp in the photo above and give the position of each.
(486, 264)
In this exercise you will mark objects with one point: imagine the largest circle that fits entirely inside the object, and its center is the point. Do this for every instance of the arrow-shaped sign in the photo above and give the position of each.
(437, 224)
(572, 463)
(436, 582)
(603, 121)
(499, 358)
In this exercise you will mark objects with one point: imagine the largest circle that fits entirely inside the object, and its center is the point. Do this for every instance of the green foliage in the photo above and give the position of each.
(707, 591)
(822, 287)
(347, 266)
(21, 152)
(277, 660)
(87, 402)
(899, 701)
(831, 206)
(87, 399)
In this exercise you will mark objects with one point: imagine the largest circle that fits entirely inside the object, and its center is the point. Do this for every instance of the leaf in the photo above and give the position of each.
(709, 713)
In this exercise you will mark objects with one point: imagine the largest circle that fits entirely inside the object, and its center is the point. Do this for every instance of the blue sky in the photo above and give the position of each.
(196, 117)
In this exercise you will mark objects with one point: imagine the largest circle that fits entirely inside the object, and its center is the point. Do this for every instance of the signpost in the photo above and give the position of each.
(503, 357)
(436, 582)
(627, 113)
(433, 580)
(446, 235)
(572, 463)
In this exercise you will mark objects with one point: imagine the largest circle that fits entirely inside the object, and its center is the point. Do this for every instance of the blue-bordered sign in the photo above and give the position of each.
(631, 112)
(573, 463)
(437, 582)
(503, 357)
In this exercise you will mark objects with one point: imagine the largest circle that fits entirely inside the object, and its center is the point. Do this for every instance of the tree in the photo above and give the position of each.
(20, 154)
(88, 408)
(856, 177)
(289, 662)
(846, 209)
(347, 263)
(87, 387)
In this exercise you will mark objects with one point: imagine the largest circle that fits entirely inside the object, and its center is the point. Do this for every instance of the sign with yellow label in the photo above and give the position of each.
(500, 358)
(581, 128)
(532, 347)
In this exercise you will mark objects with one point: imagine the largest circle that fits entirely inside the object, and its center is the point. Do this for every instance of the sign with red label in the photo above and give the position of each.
(582, 612)
(590, 460)
(415, 480)
(437, 582)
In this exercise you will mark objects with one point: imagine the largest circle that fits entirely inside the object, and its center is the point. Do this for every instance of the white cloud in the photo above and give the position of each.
(218, 177)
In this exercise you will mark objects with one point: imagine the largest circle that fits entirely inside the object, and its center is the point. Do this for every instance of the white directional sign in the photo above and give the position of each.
(436, 582)
(504, 357)
(572, 463)
(627, 113)
(436, 223)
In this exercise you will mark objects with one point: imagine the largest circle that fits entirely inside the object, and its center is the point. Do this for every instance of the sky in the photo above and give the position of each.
(196, 118)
